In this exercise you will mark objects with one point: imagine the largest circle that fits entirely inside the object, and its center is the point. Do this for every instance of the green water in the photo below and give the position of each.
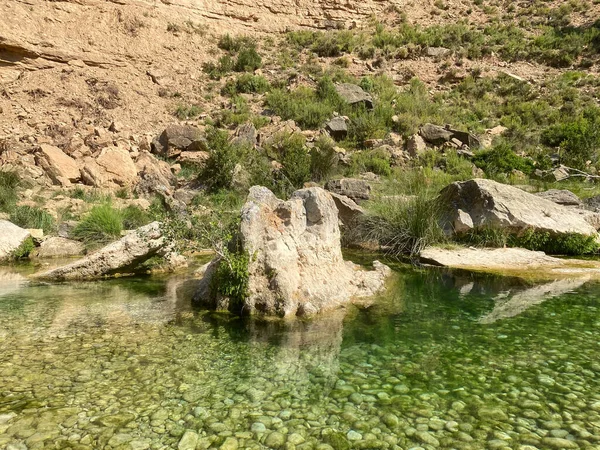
(442, 361)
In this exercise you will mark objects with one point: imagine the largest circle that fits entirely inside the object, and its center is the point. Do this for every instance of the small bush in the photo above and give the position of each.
(231, 279)
(186, 112)
(323, 159)
(235, 44)
(101, 225)
(32, 217)
(401, 227)
(502, 160)
(219, 170)
(23, 250)
(290, 150)
(224, 65)
(9, 183)
(370, 161)
(134, 217)
(246, 84)
(248, 60)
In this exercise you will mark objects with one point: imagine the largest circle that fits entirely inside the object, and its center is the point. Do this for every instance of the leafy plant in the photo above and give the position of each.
(23, 250)
(223, 157)
(501, 160)
(248, 60)
(323, 159)
(9, 183)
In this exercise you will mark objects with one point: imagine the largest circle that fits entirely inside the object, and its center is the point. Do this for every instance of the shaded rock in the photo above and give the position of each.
(65, 229)
(179, 138)
(337, 128)
(121, 256)
(58, 247)
(348, 211)
(11, 237)
(350, 187)
(59, 166)
(297, 266)
(245, 134)
(482, 203)
(434, 134)
(437, 135)
(155, 176)
(415, 145)
(354, 94)
(561, 196)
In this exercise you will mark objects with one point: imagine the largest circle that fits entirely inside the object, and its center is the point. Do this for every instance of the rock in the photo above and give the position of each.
(434, 134)
(482, 203)
(559, 443)
(188, 441)
(427, 438)
(58, 247)
(337, 128)
(438, 52)
(354, 94)
(121, 256)
(65, 229)
(59, 166)
(179, 138)
(348, 211)
(415, 145)
(561, 196)
(230, 443)
(297, 266)
(515, 261)
(155, 176)
(437, 135)
(245, 134)
(36, 233)
(275, 440)
(197, 159)
(117, 165)
(11, 237)
(560, 173)
(350, 187)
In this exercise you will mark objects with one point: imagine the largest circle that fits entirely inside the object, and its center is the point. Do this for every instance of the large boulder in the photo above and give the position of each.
(120, 257)
(353, 188)
(118, 166)
(11, 238)
(481, 203)
(348, 210)
(296, 265)
(59, 166)
(354, 95)
(179, 138)
(337, 128)
(437, 135)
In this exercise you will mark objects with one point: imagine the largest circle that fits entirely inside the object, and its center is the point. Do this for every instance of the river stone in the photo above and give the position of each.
(559, 443)
(427, 438)
(230, 443)
(494, 414)
(297, 266)
(188, 441)
(480, 203)
(275, 440)
(121, 256)
(11, 237)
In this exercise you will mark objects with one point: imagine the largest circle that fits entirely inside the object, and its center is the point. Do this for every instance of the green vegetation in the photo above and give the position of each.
(246, 84)
(9, 183)
(23, 250)
(32, 217)
(502, 159)
(231, 279)
(220, 166)
(104, 223)
(186, 112)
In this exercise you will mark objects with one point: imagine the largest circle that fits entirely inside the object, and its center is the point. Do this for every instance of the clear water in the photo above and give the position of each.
(443, 361)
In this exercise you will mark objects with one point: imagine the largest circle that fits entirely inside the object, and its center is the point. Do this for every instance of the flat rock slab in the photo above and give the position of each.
(517, 262)
(121, 256)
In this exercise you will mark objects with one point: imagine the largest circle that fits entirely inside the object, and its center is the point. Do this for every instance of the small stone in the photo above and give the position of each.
(558, 443)
(188, 441)
(258, 427)
(275, 440)
(230, 443)
(427, 438)
(391, 420)
(354, 435)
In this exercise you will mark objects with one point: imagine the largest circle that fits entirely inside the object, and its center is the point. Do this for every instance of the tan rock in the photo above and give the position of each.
(297, 266)
(193, 158)
(59, 166)
(118, 165)
(58, 247)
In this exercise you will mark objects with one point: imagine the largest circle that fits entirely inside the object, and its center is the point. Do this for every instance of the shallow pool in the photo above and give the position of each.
(452, 361)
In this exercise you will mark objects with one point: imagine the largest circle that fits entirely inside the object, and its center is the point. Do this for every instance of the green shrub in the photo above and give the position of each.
(290, 150)
(370, 161)
(246, 84)
(224, 65)
(248, 60)
(32, 217)
(9, 183)
(502, 160)
(101, 225)
(186, 112)
(223, 157)
(23, 250)
(134, 217)
(323, 159)
(578, 140)
(401, 226)
(231, 279)
(235, 44)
